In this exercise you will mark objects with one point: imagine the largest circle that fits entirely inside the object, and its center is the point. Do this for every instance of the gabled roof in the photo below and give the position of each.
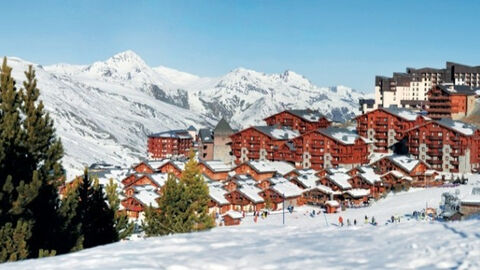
(285, 188)
(233, 214)
(277, 132)
(205, 135)
(218, 195)
(340, 180)
(191, 128)
(216, 165)
(456, 126)
(223, 128)
(404, 162)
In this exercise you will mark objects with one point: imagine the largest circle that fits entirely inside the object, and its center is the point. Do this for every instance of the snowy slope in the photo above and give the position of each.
(100, 120)
(104, 110)
(303, 243)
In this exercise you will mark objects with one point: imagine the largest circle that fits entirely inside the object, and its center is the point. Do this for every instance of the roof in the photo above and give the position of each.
(191, 128)
(218, 194)
(251, 192)
(307, 115)
(464, 128)
(280, 167)
(277, 132)
(404, 162)
(342, 135)
(358, 192)
(457, 89)
(179, 134)
(233, 214)
(217, 165)
(369, 175)
(307, 180)
(285, 188)
(205, 135)
(340, 179)
(332, 203)
(323, 189)
(146, 195)
(402, 113)
(223, 128)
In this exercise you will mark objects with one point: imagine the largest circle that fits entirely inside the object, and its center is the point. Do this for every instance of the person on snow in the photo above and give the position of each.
(340, 221)
(348, 222)
(373, 221)
(393, 219)
(366, 219)
(354, 222)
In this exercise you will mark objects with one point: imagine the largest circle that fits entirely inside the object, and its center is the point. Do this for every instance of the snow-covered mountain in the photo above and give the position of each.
(104, 111)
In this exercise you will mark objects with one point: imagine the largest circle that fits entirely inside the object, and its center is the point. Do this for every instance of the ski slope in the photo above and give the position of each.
(304, 242)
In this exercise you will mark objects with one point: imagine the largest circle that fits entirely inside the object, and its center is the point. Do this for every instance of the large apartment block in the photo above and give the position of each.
(410, 89)
(451, 101)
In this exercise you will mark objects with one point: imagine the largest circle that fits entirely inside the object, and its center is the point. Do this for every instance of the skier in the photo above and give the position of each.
(393, 219)
(348, 222)
(340, 221)
(255, 218)
(366, 219)
(354, 222)
(373, 221)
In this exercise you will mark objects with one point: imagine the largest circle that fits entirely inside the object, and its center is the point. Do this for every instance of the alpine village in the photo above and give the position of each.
(410, 135)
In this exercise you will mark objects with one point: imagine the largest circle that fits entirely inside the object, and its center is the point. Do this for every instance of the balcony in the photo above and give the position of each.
(438, 110)
(435, 146)
(454, 162)
(444, 98)
(381, 144)
(381, 136)
(381, 128)
(434, 152)
(454, 138)
(435, 138)
(381, 123)
(414, 151)
(434, 161)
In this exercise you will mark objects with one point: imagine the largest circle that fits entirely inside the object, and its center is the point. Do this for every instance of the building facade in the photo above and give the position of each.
(221, 142)
(385, 126)
(411, 88)
(301, 120)
(451, 101)
(169, 144)
(446, 145)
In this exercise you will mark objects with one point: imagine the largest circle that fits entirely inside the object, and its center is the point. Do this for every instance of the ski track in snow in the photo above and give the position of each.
(302, 243)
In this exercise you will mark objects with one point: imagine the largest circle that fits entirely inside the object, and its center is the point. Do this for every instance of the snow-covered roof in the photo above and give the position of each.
(251, 192)
(285, 188)
(395, 173)
(154, 164)
(463, 128)
(307, 180)
(277, 132)
(403, 113)
(369, 175)
(473, 197)
(308, 115)
(218, 194)
(340, 179)
(323, 189)
(332, 203)
(358, 192)
(146, 195)
(342, 135)
(205, 135)
(280, 167)
(233, 214)
(404, 162)
(217, 166)
(159, 178)
(179, 134)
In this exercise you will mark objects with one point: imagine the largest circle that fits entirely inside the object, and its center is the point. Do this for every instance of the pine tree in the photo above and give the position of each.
(172, 215)
(197, 195)
(96, 218)
(123, 227)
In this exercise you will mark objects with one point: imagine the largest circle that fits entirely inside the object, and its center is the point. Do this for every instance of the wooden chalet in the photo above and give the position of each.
(232, 218)
(215, 170)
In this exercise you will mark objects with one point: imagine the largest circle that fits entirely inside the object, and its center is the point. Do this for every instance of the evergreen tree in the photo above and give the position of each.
(96, 218)
(19, 186)
(197, 195)
(71, 220)
(123, 227)
(172, 215)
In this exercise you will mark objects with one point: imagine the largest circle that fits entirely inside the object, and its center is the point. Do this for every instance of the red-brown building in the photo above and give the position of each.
(325, 148)
(169, 144)
(446, 145)
(215, 170)
(450, 101)
(260, 142)
(232, 218)
(301, 120)
(413, 170)
(385, 126)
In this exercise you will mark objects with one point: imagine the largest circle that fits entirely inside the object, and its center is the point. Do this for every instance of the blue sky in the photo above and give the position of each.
(330, 42)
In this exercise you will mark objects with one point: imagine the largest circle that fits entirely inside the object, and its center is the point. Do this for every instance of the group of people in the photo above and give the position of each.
(256, 214)
(367, 221)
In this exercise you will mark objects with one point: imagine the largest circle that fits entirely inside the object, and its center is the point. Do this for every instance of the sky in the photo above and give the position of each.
(329, 42)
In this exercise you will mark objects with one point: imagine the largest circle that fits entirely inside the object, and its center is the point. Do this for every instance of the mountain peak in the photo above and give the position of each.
(127, 56)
